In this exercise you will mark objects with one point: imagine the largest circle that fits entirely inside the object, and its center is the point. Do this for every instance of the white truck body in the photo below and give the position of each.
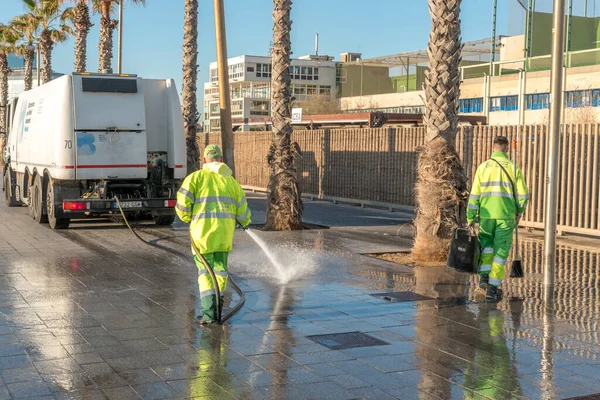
(90, 130)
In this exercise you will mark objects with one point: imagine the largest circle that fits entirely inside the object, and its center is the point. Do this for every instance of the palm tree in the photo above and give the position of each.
(107, 27)
(284, 210)
(26, 26)
(190, 77)
(82, 24)
(441, 188)
(7, 45)
(54, 28)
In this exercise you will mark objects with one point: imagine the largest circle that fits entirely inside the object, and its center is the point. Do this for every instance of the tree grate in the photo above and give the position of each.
(349, 340)
(595, 396)
(399, 297)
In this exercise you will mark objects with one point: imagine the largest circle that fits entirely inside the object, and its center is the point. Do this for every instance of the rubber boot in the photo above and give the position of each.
(493, 294)
(484, 281)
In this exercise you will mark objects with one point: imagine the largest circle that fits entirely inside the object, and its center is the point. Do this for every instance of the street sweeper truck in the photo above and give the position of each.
(81, 141)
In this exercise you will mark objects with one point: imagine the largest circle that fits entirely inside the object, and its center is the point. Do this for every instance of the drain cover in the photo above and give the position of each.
(398, 297)
(349, 340)
(595, 396)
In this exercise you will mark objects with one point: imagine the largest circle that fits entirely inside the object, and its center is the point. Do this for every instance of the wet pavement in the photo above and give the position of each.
(92, 313)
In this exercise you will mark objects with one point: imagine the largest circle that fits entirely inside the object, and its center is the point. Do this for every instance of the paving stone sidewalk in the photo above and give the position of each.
(93, 313)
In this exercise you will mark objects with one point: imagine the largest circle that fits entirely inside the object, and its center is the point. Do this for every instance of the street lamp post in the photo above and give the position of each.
(38, 65)
(224, 93)
(120, 42)
(556, 98)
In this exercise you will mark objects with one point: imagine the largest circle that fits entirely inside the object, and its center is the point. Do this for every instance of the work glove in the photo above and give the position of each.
(244, 228)
(471, 226)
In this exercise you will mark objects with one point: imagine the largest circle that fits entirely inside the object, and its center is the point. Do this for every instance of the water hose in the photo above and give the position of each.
(221, 318)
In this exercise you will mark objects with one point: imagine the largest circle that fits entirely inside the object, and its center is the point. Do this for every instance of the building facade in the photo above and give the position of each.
(513, 87)
(250, 81)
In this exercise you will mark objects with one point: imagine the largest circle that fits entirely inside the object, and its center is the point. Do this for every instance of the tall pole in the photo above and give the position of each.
(38, 65)
(224, 94)
(493, 37)
(120, 44)
(556, 98)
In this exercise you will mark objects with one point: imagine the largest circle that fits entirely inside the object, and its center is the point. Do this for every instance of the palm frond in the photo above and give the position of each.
(31, 4)
(58, 36)
(68, 14)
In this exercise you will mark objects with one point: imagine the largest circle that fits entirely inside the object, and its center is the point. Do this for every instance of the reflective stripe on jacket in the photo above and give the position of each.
(492, 192)
(212, 201)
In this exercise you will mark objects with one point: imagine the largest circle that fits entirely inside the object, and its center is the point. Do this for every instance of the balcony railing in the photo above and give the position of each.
(532, 64)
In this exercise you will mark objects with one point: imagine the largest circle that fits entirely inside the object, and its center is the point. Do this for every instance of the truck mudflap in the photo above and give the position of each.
(80, 207)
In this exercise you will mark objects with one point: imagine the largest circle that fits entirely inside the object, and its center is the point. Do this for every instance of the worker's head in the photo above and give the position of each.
(212, 153)
(501, 144)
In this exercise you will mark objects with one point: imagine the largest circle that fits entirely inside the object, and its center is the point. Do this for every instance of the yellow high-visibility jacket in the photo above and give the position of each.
(492, 192)
(212, 201)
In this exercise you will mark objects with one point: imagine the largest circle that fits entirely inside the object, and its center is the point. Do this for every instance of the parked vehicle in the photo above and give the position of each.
(82, 140)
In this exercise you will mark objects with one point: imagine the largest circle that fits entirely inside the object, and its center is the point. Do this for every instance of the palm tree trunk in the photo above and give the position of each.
(105, 47)
(29, 56)
(3, 92)
(46, 46)
(82, 28)
(190, 77)
(284, 204)
(441, 189)
(3, 104)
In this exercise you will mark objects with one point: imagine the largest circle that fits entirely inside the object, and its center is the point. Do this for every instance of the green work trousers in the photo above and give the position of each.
(495, 237)
(208, 303)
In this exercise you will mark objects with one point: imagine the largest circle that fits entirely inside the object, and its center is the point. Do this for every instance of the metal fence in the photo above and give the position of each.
(379, 166)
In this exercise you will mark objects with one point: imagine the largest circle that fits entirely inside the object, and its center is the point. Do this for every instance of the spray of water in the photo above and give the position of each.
(261, 243)
(288, 260)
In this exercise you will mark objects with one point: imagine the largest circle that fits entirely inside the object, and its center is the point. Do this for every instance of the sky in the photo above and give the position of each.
(153, 35)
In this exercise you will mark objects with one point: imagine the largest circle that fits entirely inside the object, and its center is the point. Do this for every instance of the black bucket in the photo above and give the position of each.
(464, 251)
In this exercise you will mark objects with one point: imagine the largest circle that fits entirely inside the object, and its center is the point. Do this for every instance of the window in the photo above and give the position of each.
(236, 109)
(324, 90)
(236, 71)
(304, 73)
(259, 108)
(260, 92)
(504, 103)
(109, 85)
(341, 74)
(578, 98)
(467, 106)
(215, 110)
(264, 70)
(596, 98)
(538, 101)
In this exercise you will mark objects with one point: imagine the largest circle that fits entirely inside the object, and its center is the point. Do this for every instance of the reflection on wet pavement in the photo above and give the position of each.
(109, 318)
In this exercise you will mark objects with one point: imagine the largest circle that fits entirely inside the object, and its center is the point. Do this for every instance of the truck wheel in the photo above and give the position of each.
(36, 202)
(164, 220)
(55, 223)
(9, 191)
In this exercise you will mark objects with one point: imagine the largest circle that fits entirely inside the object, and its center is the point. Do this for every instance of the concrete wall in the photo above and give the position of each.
(383, 100)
